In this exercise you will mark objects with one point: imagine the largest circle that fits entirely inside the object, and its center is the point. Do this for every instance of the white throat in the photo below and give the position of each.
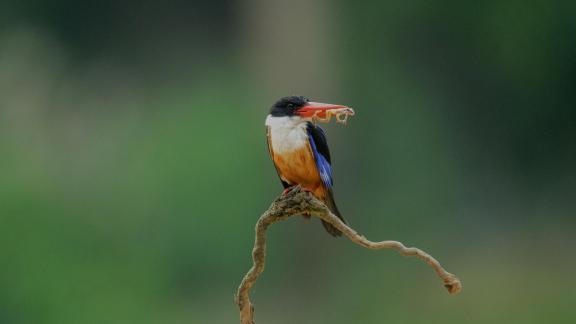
(286, 133)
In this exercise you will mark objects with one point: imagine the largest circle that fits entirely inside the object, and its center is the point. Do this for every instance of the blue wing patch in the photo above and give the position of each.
(322, 163)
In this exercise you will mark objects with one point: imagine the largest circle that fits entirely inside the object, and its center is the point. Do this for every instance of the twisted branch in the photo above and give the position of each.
(298, 202)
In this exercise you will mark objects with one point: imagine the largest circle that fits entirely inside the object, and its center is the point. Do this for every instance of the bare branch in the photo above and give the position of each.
(298, 202)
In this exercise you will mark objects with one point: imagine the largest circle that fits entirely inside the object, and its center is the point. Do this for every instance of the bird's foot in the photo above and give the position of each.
(289, 189)
(293, 188)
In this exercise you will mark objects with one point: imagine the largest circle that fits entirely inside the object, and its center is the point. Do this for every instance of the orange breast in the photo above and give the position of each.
(299, 168)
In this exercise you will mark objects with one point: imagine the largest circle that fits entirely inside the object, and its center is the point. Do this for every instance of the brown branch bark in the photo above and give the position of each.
(298, 202)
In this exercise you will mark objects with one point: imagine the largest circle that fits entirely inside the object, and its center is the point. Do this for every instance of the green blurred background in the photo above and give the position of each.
(133, 162)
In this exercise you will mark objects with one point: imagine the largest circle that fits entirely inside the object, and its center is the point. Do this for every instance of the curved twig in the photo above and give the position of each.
(297, 202)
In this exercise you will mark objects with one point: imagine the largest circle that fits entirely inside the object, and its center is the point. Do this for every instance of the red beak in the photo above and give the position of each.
(317, 108)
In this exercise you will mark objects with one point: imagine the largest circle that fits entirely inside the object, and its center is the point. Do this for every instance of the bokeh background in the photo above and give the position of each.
(133, 162)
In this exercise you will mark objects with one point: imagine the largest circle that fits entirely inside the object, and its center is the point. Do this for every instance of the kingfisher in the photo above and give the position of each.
(299, 149)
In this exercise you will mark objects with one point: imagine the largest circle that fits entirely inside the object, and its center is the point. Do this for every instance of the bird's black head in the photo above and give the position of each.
(287, 106)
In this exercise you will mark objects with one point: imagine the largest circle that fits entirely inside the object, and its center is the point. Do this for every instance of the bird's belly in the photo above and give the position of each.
(298, 168)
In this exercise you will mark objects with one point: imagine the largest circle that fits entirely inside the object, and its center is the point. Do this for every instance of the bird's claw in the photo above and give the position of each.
(294, 188)
(288, 190)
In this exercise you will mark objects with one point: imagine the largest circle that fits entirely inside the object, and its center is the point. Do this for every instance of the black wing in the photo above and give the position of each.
(319, 137)
(319, 145)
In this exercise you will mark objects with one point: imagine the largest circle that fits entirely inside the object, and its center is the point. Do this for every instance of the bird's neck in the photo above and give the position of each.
(286, 133)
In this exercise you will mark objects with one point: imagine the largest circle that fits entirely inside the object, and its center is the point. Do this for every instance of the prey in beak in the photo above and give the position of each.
(323, 112)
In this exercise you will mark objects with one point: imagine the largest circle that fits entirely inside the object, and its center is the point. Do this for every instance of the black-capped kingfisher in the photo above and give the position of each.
(299, 149)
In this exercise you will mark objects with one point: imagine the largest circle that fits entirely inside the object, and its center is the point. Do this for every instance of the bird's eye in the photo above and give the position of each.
(290, 105)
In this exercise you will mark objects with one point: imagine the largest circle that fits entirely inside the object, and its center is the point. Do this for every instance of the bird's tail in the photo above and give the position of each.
(329, 201)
